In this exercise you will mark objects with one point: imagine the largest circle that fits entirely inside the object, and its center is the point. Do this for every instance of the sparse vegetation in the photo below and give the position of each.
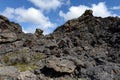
(25, 67)
(22, 58)
(37, 56)
(7, 57)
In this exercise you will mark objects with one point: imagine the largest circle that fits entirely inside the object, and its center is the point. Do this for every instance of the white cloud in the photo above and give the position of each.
(74, 12)
(99, 9)
(30, 15)
(116, 8)
(35, 16)
(49, 4)
(8, 12)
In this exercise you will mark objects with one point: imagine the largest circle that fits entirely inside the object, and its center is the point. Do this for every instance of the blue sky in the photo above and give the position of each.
(49, 14)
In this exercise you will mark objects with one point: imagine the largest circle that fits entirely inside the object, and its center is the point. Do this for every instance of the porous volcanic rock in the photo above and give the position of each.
(60, 65)
(84, 48)
(27, 75)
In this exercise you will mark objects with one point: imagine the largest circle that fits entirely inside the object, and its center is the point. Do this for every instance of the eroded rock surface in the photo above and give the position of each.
(85, 48)
(60, 65)
(27, 75)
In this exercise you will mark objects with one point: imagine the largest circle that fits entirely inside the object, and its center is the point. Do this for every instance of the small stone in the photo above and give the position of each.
(27, 75)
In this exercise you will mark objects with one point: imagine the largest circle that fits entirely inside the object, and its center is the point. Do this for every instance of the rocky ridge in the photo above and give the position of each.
(85, 48)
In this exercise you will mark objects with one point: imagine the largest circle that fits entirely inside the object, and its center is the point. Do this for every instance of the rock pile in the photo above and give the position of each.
(85, 48)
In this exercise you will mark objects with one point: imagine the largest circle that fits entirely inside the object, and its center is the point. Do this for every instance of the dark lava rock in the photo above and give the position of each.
(60, 65)
(38, 33)
(86, 48)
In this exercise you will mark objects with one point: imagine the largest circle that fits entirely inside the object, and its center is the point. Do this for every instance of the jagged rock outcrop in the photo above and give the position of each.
(60, 65)
(85, 48)
(9, 35)
(38, 33)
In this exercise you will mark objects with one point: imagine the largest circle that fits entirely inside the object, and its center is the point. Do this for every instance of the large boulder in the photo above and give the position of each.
(8, 30)
(7, 37)
(60, 65)
(10, 35)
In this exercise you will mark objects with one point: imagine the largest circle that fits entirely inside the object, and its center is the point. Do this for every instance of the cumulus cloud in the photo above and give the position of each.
(99, 9)
(30, 15)
(35, 16)
(8, 12)
(49, 4)
(116, 8)
(74, 12)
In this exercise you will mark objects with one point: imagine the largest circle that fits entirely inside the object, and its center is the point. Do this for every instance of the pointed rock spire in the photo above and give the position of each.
(88, 13)
(38, 32)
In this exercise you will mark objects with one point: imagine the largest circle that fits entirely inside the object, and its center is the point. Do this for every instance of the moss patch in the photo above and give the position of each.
(6, 59)
(9, 55)
(24, 60)
(25, 67)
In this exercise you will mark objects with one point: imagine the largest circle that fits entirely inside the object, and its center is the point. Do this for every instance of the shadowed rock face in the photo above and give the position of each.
(85, 48)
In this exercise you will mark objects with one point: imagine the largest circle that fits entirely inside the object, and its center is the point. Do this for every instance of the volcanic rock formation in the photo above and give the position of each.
(84, 48)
